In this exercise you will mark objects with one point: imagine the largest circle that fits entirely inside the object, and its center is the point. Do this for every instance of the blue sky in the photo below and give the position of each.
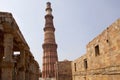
(77, 22)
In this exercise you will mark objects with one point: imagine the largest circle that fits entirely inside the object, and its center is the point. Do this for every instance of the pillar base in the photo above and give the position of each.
(7, 70)
(21, 75)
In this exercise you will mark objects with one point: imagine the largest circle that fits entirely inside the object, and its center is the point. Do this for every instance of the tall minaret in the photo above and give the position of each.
(49, 46)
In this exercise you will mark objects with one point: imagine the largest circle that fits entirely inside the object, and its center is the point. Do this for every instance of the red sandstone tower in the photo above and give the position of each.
(49, 46)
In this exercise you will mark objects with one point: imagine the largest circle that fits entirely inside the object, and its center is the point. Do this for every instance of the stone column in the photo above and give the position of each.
(7, 63)
(27, 75)
(22, 63)
(1, 56)
(1, 53)
(27, 62)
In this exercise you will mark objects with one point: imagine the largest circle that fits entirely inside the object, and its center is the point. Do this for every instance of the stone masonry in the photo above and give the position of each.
(49, 46)
(15, 66)
(102, 59)
(63, 70)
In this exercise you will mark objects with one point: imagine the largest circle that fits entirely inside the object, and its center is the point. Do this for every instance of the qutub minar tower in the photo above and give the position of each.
(49, 46)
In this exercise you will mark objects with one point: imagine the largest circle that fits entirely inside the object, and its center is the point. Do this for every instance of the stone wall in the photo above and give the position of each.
(63, 70)
(102, 59)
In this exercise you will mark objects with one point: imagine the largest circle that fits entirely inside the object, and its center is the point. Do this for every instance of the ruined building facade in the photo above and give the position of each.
(49, 46)
(102, 59)
(13, 66)
(63, 70)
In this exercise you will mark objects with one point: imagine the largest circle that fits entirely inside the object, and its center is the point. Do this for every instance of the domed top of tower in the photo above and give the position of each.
(48, 8)
(48, 5)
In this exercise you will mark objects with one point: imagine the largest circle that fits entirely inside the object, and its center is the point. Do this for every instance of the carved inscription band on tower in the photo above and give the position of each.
(49, 46)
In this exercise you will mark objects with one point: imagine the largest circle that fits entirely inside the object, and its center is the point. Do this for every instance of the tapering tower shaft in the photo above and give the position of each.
(49, 46)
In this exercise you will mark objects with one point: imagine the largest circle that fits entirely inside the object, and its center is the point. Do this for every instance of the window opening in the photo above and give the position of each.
(75, 66)
(97, 51)
(85, 64)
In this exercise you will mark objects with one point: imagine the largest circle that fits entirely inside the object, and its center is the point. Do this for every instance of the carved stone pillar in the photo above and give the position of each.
(7, 63)
(22, 63)
(27, 75)
(27, 65)
(1, 51)
(8, 47)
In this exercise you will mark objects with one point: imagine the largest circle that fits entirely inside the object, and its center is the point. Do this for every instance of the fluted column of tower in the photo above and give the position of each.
(49, 46)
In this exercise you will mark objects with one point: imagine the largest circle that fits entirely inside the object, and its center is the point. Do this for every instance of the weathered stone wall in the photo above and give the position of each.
(102, 57)
(63, 70)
